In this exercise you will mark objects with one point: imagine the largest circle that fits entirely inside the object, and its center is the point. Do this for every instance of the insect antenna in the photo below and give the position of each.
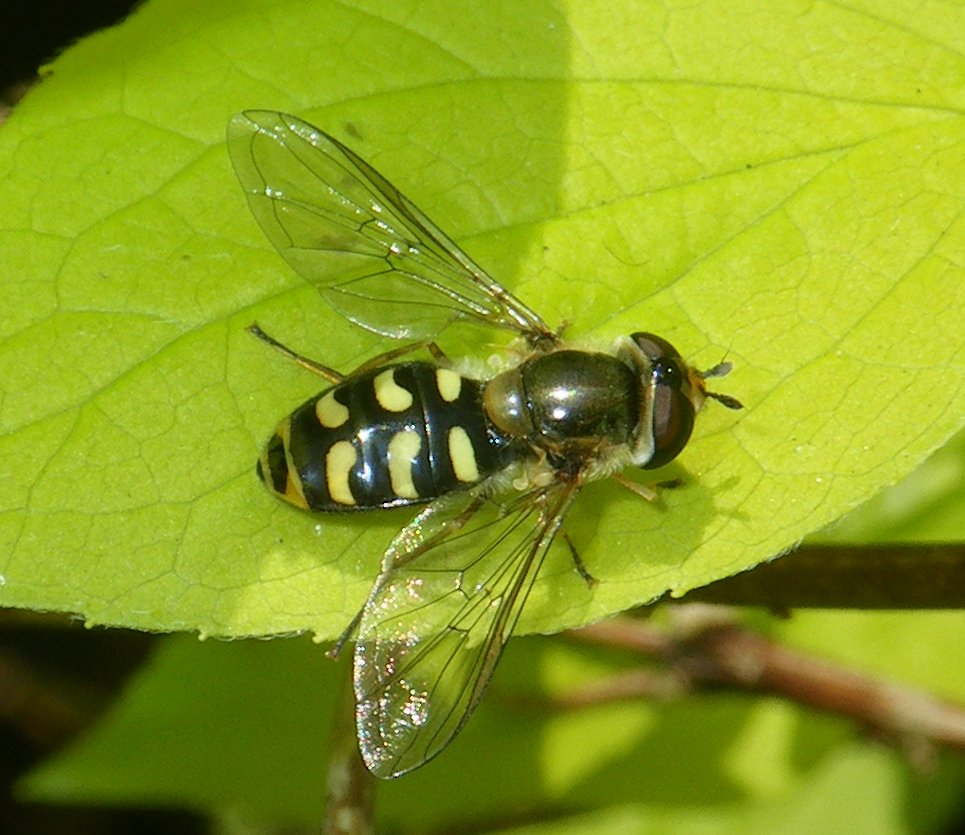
(725, 399)
(720, 370)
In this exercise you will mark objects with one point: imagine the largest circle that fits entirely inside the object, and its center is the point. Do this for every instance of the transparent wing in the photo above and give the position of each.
(374, 256)
(465, 561)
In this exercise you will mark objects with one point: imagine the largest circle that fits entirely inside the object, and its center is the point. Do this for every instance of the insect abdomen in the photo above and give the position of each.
(397, 435)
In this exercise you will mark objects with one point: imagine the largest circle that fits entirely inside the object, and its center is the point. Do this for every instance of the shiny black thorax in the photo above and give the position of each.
(567, 404)
(577, 397)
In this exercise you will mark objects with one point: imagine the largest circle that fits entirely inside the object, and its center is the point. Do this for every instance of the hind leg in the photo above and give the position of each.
(324, 371)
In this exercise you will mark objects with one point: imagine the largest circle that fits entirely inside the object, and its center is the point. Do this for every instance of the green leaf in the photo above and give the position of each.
(927, 506)
(779, 188)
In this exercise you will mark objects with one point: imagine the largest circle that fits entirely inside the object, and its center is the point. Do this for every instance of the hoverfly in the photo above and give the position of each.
(497, 463)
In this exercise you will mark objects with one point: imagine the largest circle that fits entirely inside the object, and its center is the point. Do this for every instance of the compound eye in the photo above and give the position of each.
(673, 413)
(668, 373)
(655, 348)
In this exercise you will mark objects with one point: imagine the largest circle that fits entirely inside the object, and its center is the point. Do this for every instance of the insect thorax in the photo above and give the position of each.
(571, 404)
(396, 435)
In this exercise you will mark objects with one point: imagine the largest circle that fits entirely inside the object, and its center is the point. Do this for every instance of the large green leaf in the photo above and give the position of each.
(780, 186)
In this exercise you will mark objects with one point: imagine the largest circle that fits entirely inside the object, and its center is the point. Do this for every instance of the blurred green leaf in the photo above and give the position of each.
(242, 729)
(782, 190)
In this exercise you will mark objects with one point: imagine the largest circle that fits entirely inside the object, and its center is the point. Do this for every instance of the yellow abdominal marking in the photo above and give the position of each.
(449, 384)
(293, 493)
(330, 413)
(462, 455)
(391, 396)
(403, 450)
(338, 464)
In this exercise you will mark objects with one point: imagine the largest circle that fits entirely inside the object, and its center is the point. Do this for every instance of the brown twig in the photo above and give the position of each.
(705, 647)
(876, 576)
(43, 712)
(349, 807)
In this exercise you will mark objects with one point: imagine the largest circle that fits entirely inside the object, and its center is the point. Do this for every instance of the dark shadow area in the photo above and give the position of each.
(56, 679)
(31, 33)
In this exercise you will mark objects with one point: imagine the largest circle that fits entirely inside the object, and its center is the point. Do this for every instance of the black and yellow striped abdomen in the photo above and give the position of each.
(396, 435)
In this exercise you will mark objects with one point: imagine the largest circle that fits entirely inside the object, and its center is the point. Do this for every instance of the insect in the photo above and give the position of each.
(496, 463)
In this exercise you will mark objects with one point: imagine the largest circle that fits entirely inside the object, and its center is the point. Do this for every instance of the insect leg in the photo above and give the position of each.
(324, 371)
(581, 569)
(401, 351)
(641, 490)
(439, 355)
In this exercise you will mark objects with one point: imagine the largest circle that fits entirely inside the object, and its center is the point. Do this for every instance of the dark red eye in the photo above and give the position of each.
(673, 413)
(673, 421)
(654, 347)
